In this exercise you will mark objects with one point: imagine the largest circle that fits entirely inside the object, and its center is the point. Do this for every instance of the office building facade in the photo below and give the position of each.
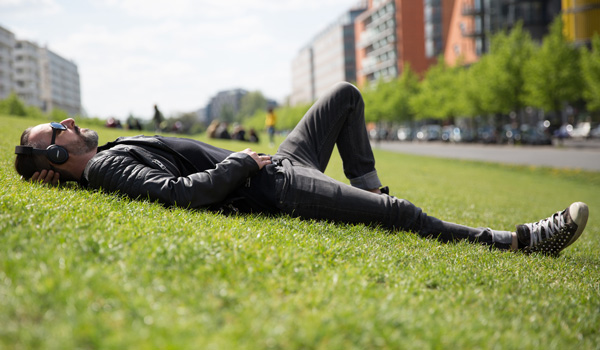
(475, 21)
(391, 35)
(303, 78)
(40, 77)
(225, 102)
(26, 76)
(7, 46)
(60, 83)
(328, 59)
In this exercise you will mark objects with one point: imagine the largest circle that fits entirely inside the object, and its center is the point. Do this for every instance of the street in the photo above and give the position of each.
(583, 155)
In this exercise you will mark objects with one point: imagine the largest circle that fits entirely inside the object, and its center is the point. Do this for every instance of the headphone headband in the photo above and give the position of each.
(28, 150)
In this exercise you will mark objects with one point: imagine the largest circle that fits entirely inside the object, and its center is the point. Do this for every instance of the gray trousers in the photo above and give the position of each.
(303, 190)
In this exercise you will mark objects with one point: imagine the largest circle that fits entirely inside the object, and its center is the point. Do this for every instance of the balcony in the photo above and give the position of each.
(471, 32)
(372, 64)
(470, 10)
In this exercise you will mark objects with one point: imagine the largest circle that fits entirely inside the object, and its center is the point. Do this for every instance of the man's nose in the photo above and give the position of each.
(69, 122)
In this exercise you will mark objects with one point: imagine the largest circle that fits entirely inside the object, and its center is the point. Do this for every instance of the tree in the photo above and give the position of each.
(397, 94)
(227, 114)
(474, 86)
(58, 114)
(552, 75)
(389, 100)
(251, 103)
(373, 96)
(590, 71)
(437, 97)
(504, 71)
(12, 105)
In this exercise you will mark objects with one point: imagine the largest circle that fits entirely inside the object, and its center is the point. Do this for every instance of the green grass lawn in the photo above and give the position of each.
(86, 270)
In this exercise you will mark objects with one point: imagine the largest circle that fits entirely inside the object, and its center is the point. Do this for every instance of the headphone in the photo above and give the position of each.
(55, 153)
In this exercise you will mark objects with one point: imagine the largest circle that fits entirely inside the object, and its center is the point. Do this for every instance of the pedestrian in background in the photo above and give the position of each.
(158, 118)
(270, 122)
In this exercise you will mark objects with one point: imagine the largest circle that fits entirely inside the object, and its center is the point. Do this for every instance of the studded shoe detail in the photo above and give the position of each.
(551, 235)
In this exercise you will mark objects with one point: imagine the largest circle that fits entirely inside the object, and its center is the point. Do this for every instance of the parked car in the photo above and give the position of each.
(564, 131)
(510, 134)
(534, 136)
(462, 135)
(487, 134)
(378, 134)
(581, 130)
(404, 134)
(447, 132)
(430, 133)
(595, 132)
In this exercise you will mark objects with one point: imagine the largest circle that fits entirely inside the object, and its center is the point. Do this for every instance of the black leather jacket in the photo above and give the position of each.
(149, 168)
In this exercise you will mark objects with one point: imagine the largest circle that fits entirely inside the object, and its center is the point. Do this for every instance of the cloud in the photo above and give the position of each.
(178, 53)
(20, 8)
(155, 9)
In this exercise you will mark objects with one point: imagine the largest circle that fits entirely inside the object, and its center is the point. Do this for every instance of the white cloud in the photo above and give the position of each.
(134, 53)
(156, 9)
(29, 7)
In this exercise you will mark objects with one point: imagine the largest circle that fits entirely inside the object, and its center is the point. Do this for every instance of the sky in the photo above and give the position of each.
(132, 54)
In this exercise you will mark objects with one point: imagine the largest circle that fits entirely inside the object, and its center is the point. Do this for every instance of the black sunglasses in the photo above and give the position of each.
(56, 127)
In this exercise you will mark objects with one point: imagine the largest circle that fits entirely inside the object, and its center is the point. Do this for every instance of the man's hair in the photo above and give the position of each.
(26, 165)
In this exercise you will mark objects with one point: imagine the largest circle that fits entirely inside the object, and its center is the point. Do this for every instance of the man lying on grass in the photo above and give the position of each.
(191, 174)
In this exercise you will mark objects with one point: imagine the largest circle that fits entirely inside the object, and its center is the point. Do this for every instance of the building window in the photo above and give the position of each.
(429, 48)
(478, 46)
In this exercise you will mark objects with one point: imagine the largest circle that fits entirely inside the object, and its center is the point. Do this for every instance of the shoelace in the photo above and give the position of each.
(551, 226)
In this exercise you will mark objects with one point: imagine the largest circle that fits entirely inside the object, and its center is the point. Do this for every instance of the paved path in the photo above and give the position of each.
(584, 156)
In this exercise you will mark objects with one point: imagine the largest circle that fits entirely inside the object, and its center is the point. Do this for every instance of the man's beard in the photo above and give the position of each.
(87, 142)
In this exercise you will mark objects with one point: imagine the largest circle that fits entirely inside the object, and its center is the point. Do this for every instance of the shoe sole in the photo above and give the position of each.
(582, 212)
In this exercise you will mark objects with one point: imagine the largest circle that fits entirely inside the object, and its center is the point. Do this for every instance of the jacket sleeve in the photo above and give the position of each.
(122, 173)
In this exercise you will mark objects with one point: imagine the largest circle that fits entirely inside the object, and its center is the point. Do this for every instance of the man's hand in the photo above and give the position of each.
(46, 177)
(260, 160)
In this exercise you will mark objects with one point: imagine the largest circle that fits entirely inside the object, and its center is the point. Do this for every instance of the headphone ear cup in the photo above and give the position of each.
(57, 154)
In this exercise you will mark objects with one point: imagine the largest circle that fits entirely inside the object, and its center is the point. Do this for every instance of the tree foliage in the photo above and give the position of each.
(552, 74)
(389, 100)
(58, 114)
(251, 103)
(438, 93)
(504, 71)
(401, 91)
(516, 73)
(590, 71)
(227, 114)
(373, 96)
(12, 105)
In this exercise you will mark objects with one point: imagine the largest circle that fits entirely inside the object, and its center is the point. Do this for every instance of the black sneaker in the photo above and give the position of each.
(550, 236)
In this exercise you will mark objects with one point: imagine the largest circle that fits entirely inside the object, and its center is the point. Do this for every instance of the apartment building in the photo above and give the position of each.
(227, 101)
(303, 79)
(60, 84)
(7, 45)
(465, 40)
(26, 76)
(474, 21)
(391, 35)
(328, 59)
(40, 77)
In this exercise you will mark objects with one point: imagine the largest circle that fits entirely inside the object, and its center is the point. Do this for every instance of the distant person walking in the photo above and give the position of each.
(158, 118)
(270, 122)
